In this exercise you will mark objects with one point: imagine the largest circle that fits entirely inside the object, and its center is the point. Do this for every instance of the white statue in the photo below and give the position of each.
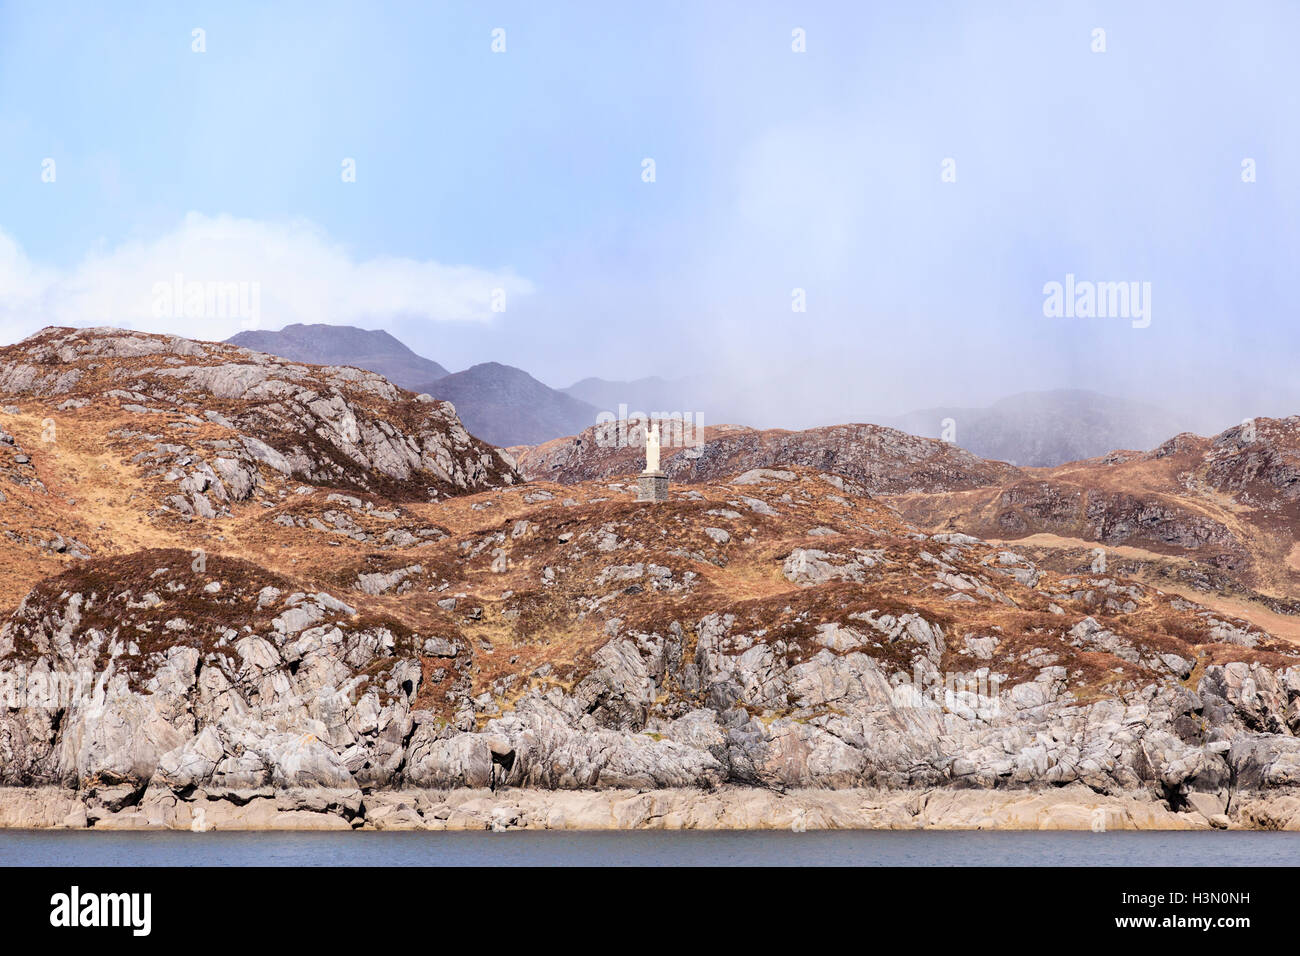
(652, 485)
(652, 451)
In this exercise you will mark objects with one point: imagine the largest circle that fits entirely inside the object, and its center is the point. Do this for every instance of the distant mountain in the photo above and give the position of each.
(504, 405)
(694, 395)
(370, 349)
(702, 399)
(497, 403)
(642, 394)
(1048, 428)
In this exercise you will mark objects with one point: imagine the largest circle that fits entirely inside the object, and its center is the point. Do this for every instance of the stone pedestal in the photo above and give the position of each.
(652, 486)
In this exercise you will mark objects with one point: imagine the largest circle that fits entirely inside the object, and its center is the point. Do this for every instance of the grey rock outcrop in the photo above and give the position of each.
(332, 425)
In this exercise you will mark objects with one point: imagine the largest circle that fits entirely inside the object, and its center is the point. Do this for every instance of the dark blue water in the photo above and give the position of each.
(649, 848)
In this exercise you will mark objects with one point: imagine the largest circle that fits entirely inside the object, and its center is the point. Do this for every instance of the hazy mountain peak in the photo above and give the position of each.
(372, 349)
(1048, 428)
(505, 405)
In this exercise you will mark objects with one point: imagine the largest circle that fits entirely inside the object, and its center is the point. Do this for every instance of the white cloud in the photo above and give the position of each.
(300, 276)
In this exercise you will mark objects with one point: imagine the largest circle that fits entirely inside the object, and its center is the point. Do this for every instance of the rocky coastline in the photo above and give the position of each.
(243, 593)
(726, 808)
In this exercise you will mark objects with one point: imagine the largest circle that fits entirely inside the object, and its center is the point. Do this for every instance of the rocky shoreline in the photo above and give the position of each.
(726, 808)
(289, 596)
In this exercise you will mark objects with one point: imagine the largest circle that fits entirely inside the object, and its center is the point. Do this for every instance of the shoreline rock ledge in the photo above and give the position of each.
(1073, 807)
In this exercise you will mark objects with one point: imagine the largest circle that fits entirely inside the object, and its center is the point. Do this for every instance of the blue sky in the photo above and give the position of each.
(775, 170)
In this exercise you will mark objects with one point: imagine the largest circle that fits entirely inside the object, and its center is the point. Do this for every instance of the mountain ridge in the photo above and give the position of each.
(1046, 428)
(322, 344)
(506, 406)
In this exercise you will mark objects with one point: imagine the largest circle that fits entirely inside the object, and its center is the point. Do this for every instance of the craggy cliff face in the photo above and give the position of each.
(226, 573)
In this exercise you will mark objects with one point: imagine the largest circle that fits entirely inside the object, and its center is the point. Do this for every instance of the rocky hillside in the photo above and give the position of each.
(109, 439)
(328, 627)
(1215, 514)
(371, 349)
(782, 629)
(883, 460)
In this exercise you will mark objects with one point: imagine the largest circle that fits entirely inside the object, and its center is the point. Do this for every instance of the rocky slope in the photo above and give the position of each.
(339, 634)
(1214, 514)
(109, 440)
(782, 631)
(883, 460)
